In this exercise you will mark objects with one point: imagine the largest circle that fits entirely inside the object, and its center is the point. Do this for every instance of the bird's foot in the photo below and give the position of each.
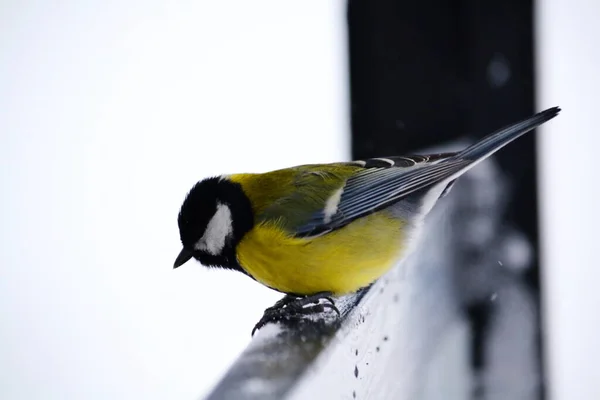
(292, 307)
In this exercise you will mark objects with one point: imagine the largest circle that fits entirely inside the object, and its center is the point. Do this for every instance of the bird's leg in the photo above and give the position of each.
(292, 306)
(284, 301)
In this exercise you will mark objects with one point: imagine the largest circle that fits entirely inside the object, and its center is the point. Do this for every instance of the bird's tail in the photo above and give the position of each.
(495, 141)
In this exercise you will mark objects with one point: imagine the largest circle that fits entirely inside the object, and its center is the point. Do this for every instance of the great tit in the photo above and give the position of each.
(317, 230)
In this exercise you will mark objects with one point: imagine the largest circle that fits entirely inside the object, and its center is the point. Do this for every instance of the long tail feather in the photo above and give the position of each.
(495, 141)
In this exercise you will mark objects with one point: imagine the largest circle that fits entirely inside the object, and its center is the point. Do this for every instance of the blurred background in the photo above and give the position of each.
(110, 112)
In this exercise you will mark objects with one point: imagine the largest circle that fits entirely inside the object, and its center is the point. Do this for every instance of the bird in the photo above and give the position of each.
(316, 231)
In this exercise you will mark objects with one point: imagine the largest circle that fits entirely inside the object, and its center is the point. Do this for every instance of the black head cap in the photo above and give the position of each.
(214, 217)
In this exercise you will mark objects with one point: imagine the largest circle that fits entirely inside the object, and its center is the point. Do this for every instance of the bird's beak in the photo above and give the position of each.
(183, 257)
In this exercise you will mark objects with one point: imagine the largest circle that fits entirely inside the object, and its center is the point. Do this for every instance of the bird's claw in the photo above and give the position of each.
(292, 307)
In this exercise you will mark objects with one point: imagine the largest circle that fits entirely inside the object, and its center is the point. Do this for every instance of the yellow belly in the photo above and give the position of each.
(340, 262)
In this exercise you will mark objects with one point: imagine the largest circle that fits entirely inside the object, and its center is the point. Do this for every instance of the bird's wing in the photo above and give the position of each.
(314, 199)
(381, 183)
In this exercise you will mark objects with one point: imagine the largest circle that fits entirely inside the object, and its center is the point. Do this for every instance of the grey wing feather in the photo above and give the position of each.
(377, 188)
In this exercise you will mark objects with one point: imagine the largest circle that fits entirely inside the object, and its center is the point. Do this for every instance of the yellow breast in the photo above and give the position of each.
(340, 262)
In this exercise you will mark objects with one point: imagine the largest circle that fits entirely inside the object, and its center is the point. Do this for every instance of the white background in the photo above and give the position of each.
(569, 76)
(109, 112)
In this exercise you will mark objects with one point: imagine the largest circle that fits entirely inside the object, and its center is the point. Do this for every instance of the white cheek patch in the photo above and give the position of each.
(217, 231)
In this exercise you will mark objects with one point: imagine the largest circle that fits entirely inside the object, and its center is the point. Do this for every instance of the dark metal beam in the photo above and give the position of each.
(425, 73)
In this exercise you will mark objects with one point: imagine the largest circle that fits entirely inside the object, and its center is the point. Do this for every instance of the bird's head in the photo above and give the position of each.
(213, 218)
